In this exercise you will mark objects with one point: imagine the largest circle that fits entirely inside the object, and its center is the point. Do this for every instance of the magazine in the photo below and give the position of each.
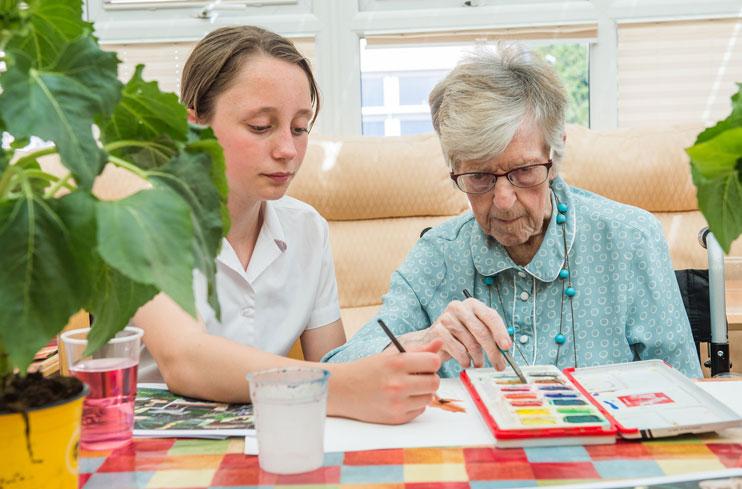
(160, 413)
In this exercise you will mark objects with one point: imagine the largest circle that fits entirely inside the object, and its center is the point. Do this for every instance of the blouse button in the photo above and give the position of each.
(524, 296)
(523, 339)
(522, 274)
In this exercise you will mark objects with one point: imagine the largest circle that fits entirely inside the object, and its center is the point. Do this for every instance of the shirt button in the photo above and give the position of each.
(524, 296)
(523, 339)
(522, 274)
(246, 311)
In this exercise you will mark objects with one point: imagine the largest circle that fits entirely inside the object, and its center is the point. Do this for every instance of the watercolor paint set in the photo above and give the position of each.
(592, 405)
(650, 399)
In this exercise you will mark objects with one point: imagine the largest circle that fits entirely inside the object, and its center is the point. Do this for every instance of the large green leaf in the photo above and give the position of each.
(148, 238)
(720, 201)
(716, 166)
(114, 302)
(154, 119)
(202, 139)
(59, 104)
(48, 27)
(734, 119)
(718, 156)
(77, 212)
(185, 174)
(112, 297)
(39, 282)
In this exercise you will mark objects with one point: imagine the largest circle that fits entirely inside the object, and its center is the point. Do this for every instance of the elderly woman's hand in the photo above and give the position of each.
(469, 330)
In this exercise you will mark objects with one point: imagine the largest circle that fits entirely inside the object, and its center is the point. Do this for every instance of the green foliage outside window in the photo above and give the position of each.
(571, 63)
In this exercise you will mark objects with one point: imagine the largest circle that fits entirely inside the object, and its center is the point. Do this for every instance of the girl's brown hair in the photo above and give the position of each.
(218, 57)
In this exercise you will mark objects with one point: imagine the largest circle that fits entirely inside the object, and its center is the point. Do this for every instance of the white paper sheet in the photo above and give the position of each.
(434, 428)
(729, 392)
(439, 428)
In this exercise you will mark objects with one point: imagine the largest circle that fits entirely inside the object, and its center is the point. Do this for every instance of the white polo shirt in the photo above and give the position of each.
(289, 285)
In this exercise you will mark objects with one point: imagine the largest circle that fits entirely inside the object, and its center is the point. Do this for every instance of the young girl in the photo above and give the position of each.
(275, 274)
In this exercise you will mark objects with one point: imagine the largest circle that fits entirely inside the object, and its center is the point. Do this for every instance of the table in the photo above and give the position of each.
(168, 463)
(182, 463)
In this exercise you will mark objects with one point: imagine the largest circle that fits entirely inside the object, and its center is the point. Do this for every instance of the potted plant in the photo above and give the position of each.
(716, 166)
(63, 249)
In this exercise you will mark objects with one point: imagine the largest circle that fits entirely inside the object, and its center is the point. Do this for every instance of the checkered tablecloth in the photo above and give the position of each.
(212, 464)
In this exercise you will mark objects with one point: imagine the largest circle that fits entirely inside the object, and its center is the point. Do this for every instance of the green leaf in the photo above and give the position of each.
(718, 156)
(59, 104)
(39, 283)
(186, 174)
(48, 27)
(720, 201)
(734, 119)
(11, 19)
(148, 238)
(202, 139)
(112, 297)
(38, 185)
(114, 303)
(77, 212)
(154, 119)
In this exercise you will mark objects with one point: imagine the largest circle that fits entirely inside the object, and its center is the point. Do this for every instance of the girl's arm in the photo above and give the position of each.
(318, 341)
(385, 388)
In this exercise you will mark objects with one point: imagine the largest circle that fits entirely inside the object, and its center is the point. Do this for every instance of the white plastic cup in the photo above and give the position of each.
(290, 407)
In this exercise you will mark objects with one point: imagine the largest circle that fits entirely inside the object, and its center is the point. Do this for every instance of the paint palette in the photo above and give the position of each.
(650, 399)
(592, 405)
(548, 410)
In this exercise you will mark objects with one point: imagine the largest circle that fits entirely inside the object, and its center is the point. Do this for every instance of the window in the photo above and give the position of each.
(372, 90)
(373, 127)
(414, 89)
(415, 126)
(571, 63)
(164, 60)
(677, 72)
(396, 82)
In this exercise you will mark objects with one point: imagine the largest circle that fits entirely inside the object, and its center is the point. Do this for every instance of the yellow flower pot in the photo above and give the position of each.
(54, 435)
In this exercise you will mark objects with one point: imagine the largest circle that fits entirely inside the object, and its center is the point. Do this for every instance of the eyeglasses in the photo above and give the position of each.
(483, 182)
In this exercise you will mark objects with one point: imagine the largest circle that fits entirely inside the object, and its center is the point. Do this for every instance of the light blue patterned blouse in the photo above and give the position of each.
(627, 304)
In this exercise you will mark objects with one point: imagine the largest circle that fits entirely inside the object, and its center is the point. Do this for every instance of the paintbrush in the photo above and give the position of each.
(391, 336)
(506, 354)
(400, 348)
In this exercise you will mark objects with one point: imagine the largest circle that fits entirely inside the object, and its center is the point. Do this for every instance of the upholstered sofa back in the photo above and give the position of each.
(379, 193)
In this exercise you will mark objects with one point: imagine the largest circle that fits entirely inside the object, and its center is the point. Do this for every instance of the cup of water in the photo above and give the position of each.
(111, 375)
(290, 405)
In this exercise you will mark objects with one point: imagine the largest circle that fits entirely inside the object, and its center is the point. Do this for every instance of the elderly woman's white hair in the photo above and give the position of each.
(481, 103)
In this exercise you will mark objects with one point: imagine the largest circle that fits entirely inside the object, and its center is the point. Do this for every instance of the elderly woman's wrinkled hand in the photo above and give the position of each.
(469, 330)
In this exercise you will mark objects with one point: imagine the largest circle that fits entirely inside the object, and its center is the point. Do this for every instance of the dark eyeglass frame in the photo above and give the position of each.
(455, 177)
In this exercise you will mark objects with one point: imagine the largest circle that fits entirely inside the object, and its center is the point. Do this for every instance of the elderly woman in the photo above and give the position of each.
(558, 275)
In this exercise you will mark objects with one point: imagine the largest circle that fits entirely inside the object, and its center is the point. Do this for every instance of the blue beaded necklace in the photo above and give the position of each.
(568, 292)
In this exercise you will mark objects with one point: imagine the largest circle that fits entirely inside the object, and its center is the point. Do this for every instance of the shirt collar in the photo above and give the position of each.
(270, 245)
(491, 258)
